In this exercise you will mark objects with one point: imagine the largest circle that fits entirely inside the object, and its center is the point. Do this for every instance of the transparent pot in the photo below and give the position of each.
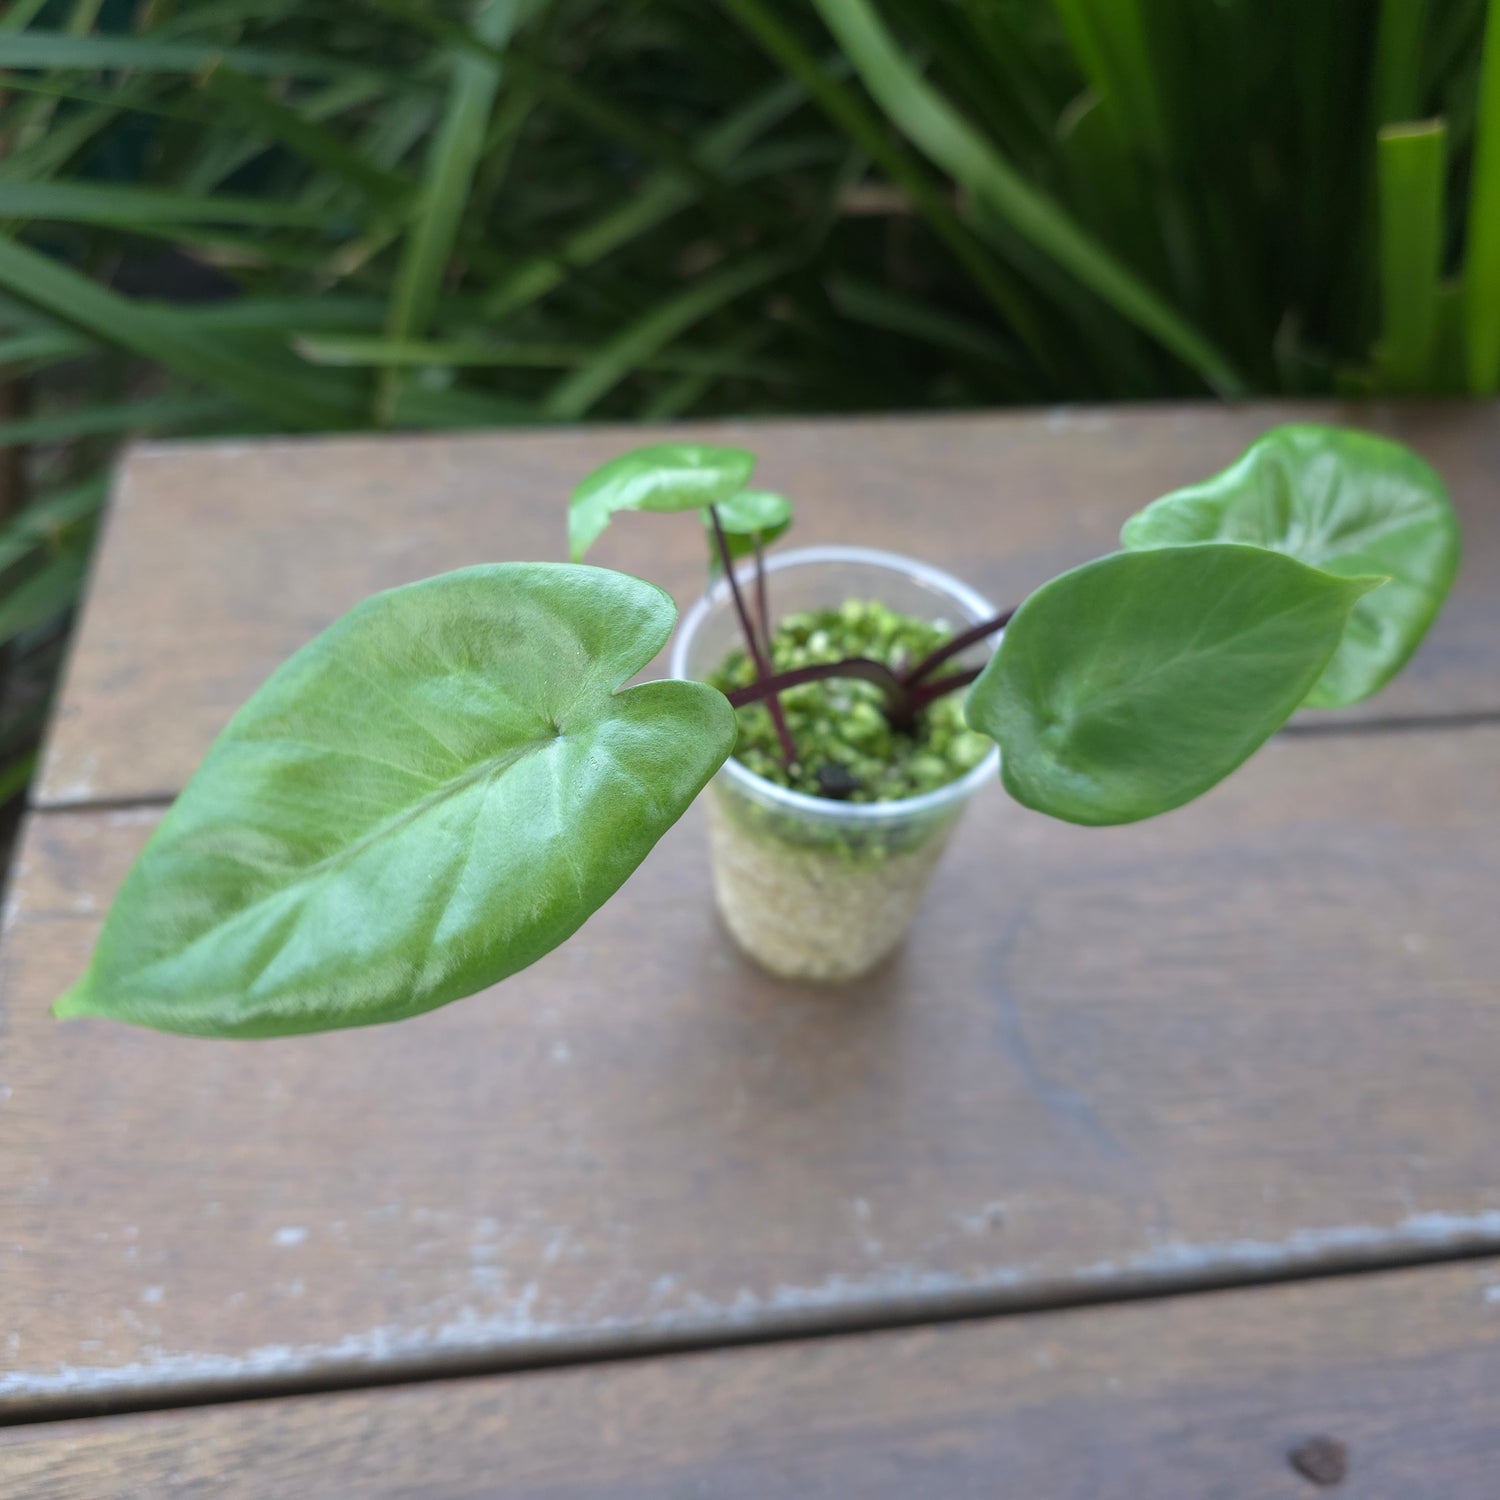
(809, 887)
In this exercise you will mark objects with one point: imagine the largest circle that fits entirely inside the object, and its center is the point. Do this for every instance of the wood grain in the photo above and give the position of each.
(1197, 1398)
(221, 559)
(1262, 1033)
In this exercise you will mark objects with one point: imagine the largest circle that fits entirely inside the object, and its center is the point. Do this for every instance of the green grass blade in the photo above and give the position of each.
(1396, 89)
(1448, 375)
(1004, 291)
(948, 139)
(458, 407)
(16, 775)
(355, 351)
(20, 14)
(618, 127)
(117, 100)
(1412, 163)
(221, 154)
(1482, 254)
(385, 141)
(647, 335)
(317, 146)
(54, 147)
(253, 255)
(102, 203)
(277, 316)
(45, 522)
(127, 416)
(42, 346)
(449, 171)
(58, 50)
(79, 302)
(1454, 32)
(880, 307)
(1109, 38)
(209, 15)
(663, 194)
(38, 113)
(41, 596)
(679, 396)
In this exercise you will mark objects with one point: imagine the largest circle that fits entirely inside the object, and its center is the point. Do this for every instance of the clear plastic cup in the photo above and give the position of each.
(809, 887)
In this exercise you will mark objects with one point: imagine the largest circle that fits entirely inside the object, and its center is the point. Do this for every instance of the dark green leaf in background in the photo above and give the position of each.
(1343, 501)
(1129, 686)
(431, 795)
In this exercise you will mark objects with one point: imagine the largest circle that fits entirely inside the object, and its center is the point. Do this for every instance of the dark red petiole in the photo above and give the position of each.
(950, 649)
(852, 666)
(757, 655)
(762, 605)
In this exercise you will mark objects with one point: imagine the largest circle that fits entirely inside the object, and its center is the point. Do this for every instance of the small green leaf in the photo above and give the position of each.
(743, 517)
(664, 476)
(1132, 684)
(428, 797)
(1348, 503)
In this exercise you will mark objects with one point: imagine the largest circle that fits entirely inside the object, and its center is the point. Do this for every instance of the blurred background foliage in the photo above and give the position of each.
(251, 216)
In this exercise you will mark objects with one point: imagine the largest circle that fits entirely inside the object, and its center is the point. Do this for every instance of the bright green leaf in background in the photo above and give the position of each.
(664, 476)
(1129, 686)
(1343, 501)
(743, 517)
(430, 796)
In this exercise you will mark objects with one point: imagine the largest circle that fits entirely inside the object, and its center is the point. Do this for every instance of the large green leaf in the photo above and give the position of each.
(1348, 503)
(743, 517)
(664, 476)
(1132, 684)
(425, 799)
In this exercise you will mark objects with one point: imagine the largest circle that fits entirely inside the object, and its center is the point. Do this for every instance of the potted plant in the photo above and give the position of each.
(447, 782)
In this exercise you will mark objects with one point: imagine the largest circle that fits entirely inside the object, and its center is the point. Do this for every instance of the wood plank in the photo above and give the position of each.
(1260, 1034)
(221, 559)
(1176, 1400)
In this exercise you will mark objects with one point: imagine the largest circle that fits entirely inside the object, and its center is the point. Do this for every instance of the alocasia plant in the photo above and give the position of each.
(446, 783)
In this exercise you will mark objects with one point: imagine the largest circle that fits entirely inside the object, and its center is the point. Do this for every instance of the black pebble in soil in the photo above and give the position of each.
(837, 782)
(1324, 1460)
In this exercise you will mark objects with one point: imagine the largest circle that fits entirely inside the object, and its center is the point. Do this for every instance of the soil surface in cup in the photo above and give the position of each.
(846, 747)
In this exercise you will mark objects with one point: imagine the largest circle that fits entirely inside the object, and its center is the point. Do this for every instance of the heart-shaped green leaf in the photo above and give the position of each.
(742, 517)
(664, 476)
(428, 797)
(1348, 503)
(1132, 684)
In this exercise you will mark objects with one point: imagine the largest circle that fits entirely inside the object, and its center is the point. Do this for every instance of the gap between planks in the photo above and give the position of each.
(982, 1305)
(1313, 728)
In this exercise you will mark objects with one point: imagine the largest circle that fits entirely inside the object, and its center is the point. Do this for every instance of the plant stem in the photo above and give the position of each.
(970, 637)
(762, 608)
(930, 692)
(905, 696)
(852, 666)
(757, 656)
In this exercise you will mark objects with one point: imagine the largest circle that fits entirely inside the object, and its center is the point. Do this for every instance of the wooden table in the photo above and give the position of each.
(1157, 1151)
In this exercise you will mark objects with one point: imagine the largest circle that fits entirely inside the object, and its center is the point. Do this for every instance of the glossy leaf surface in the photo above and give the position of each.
(425, 799)
(1131, 685)
(744, 515)
(1348, 503)
(664, 476)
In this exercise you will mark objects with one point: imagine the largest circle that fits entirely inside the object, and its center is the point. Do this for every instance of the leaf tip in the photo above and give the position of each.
(581, 536)
(73, 1003)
